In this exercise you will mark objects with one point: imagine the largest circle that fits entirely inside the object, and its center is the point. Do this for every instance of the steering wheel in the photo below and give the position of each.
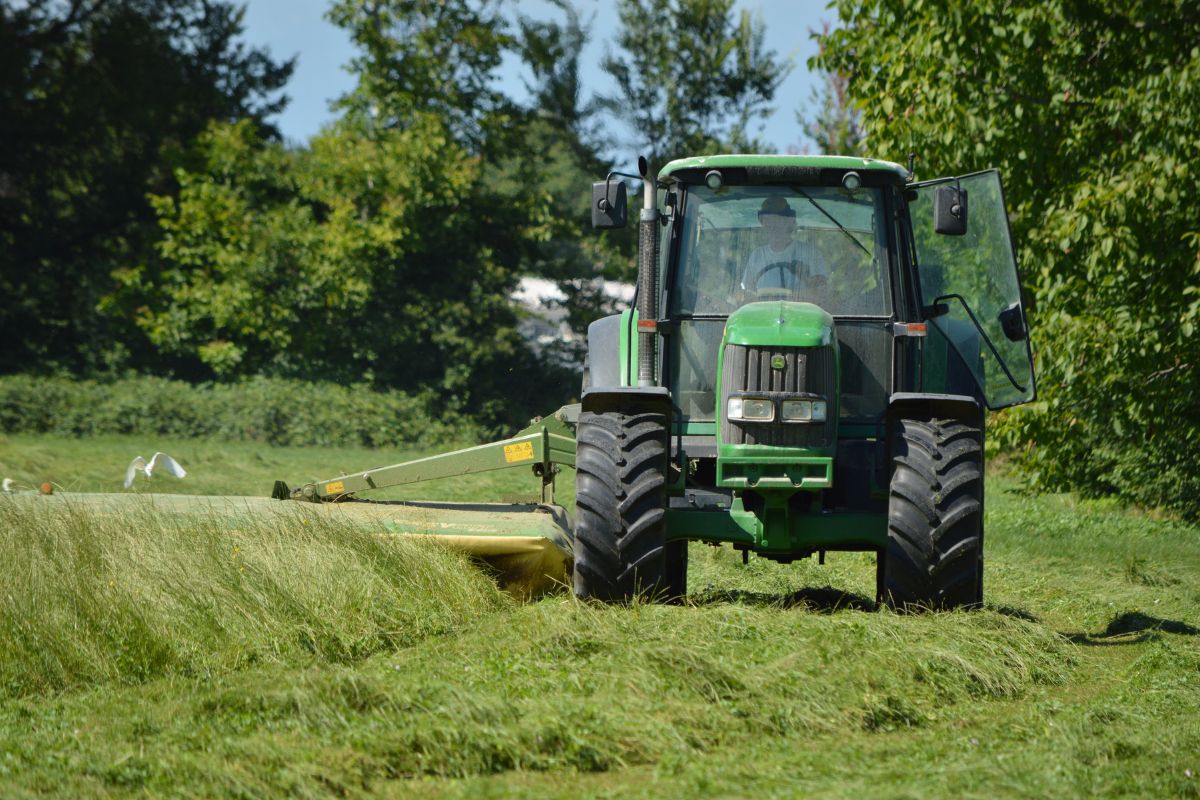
(809, 283)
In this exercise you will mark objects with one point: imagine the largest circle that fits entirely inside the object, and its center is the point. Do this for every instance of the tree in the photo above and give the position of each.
(1090, 111)
(426, 57)
(96, 98)
(552, 51)
(832, 121)
(560, 151)
(690, 78)
(386, 249)
(371, 256)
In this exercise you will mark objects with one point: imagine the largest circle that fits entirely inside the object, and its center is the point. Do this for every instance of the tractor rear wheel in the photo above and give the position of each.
(934, 553)
(620, 501)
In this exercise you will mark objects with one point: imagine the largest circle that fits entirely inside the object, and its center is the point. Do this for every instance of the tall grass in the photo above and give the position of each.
(105, 604)
(87, 598)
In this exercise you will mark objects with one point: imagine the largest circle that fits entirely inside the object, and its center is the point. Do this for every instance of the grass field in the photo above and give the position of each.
(151, 657)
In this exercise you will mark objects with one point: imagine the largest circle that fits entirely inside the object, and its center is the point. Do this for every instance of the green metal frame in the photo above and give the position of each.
(628, 352)
(750, 160)
(544, 446)
(779, 531)
(756, 470)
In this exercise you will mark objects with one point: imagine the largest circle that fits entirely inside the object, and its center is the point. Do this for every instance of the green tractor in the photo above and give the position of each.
(813, 345)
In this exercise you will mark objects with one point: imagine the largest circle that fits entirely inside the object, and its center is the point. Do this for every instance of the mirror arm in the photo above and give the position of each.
(608, 181)
(986, 339)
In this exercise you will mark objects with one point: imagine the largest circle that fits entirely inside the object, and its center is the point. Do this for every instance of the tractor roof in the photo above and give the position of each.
(777, 161)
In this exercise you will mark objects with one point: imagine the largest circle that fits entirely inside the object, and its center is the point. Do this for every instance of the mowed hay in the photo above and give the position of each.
(556, 686)
(309, 663)
(126, 598)
(564, 685)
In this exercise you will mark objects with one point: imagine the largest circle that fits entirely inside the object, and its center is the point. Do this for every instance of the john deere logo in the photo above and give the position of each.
(778, 362)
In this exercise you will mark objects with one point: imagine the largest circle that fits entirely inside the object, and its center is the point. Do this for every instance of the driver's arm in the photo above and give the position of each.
(818, 269)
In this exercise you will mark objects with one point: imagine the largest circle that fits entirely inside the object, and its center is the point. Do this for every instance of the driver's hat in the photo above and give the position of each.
(776, 205)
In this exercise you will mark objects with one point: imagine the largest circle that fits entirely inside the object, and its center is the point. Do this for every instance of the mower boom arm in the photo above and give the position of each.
(545, 444)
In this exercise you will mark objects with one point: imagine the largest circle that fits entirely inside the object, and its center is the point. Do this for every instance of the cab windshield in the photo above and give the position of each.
(819, 244)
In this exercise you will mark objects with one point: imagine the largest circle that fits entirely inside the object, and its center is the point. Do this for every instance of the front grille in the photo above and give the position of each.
(806, 369)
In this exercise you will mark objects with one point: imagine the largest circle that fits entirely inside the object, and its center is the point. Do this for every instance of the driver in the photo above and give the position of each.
(783, 262)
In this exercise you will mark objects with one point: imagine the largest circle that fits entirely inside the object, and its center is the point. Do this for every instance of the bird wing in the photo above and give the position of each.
(130, 473)
(169, 464)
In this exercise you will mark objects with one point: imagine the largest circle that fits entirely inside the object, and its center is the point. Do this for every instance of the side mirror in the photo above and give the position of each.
(1012, 324)
(935, 310)
(609, 204)
(950, 210)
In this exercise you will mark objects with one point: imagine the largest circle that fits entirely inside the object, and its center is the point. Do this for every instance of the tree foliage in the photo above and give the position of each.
(551, 50)
(96, 99)
(1090, 111)
(690, 77)
(561, 153)
(387, 249)
(374, 256)
(421, 57)
(151, 219)
(831, 119)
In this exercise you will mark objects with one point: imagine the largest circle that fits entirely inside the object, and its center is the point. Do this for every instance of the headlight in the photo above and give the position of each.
(752, 409)
(804, 410)
(798, 410)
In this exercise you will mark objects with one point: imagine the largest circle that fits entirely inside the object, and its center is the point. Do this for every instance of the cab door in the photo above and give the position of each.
(970, 291)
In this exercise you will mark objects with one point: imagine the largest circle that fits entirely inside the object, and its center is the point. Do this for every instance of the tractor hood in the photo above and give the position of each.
(780, 323)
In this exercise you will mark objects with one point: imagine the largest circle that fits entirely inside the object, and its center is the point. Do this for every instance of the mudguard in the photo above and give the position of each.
(604, 351)
(624, 398)
(951, 406)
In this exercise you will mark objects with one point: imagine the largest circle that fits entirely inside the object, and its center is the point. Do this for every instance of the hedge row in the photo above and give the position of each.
(272, 410)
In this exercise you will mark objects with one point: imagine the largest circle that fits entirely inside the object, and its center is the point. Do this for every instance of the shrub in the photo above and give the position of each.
(272, 410)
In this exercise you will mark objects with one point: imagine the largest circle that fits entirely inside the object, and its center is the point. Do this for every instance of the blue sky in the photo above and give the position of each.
(298, 27)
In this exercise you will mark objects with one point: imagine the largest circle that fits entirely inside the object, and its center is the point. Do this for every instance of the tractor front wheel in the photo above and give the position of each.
(620, 501)
(934, 553)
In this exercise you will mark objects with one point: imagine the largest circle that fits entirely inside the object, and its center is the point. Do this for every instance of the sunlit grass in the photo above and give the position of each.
(154, 656)
(238, 468)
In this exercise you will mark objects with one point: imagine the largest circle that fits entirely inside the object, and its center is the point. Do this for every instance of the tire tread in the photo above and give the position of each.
(620, 526)
(934, 555)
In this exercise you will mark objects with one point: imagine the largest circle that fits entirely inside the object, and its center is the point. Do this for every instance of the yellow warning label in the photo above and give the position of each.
(335, 487)
(522, 451)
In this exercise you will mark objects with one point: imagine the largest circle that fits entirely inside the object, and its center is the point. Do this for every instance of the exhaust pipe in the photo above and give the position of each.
(647, 306)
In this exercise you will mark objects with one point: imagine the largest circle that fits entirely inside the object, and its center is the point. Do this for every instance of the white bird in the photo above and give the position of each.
(8, 486)
(139, 464)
